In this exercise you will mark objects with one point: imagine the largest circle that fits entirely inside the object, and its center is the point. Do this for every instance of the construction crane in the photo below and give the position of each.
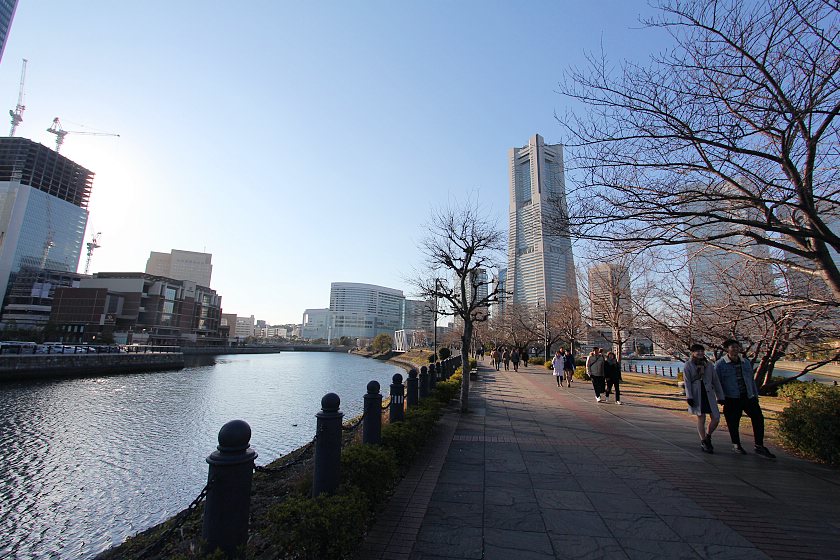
(60, 133)
(91, 245)
(17, 114)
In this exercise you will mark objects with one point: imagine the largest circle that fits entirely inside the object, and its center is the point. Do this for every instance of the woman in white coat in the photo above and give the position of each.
(703, 393)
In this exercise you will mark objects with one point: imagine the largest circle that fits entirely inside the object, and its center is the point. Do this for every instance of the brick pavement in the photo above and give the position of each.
(539, 472)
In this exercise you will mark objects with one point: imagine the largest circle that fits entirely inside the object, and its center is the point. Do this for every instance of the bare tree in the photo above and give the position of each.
(730, 139)
(460, 249)
(566, 322)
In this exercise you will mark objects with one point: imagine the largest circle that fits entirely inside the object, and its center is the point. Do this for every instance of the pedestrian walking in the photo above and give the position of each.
(506, 359)
(595, 369)
(481, 352)
(612, 375)
(740, 396)
(569, 367)
(514, 358)
(496, 357)
(703, 393)
(525, 356)
(557, 363)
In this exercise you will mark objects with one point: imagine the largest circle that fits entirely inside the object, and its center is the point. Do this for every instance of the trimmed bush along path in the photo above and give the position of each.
(540, 472)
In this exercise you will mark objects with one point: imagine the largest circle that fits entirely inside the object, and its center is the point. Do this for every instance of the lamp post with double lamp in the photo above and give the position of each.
(544, 306)
(434, 326)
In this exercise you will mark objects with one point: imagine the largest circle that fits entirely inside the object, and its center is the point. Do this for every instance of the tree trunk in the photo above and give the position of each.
(465, 366)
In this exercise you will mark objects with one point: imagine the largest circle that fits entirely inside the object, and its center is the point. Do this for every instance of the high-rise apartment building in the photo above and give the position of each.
(419, 315)
(540, 265)
(182, 265)
(609, 296)
(7, 14)
(43, 209)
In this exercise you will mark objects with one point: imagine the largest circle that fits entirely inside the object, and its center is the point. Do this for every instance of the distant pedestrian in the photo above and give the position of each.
(525, 356)
(514, 357)
(506, 359)
(595, 369)
(481, 352)
(557, 363)
(569, 367)
(703, 392)
(612, 375)
(741, 396)
(496, 357)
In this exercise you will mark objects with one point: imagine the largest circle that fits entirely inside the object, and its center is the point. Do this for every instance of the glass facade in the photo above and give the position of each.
(540, 262)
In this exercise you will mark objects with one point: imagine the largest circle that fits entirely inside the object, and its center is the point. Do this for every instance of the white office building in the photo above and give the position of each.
(364, 310)
(540, 266)
(315, 324)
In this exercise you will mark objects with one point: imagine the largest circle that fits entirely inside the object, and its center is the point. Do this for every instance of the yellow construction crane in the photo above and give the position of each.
(17, 114)
(60, 133)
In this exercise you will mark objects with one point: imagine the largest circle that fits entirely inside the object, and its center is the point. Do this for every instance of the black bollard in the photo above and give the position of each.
(372, 422)
(327, 446)
(424, 382)
(412, 396)
(432, 377)
(228, 502)
(397, 396)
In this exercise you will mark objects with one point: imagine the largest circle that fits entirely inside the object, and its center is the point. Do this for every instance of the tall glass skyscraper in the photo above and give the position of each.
(541, 268)
(7, 14)
(43, 209)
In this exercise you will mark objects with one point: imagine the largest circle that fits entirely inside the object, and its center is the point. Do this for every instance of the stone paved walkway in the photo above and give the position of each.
(539, 472)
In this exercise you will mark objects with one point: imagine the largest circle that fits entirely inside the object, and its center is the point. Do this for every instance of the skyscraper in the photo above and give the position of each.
(364, 310)
(541, 267)
(43, 209)
(609, 295)
(182, 265)
(7, 14)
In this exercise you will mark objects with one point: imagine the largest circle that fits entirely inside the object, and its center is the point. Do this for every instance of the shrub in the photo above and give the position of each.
(444, 353)
(371, 468)
(301, 524)
(797, 390)
(580, 373)
(548, 365)
(473, 364)
(811, 424)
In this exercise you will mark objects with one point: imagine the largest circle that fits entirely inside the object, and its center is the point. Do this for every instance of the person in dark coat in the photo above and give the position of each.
(612, 375)
(569, 367)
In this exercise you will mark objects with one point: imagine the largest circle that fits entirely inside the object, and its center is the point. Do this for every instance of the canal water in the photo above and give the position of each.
(86, 463)
(666, 367)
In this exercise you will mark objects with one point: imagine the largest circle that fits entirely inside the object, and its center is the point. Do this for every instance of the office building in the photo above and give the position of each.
(137, 308)
(7, 14)
(315, 324)
(181, 265)
(364, 310)
(499, 284)
(245, 327)
(609, 295)
(43, 209)
(540, 267)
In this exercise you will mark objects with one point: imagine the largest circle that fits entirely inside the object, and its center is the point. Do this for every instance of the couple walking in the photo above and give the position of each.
(605, 373)
(563, 364)
(729, 382)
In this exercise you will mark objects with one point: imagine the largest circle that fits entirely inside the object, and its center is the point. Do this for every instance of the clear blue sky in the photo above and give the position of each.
(300, 143)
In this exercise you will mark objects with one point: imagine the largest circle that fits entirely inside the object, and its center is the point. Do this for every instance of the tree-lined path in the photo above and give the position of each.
(536, 472)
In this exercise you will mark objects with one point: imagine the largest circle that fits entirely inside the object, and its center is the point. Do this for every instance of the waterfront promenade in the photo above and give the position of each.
(538, 472)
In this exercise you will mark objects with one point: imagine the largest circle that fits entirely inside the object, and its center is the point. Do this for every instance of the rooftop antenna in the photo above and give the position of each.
(91, 246)
(60, 133)
(17, 114)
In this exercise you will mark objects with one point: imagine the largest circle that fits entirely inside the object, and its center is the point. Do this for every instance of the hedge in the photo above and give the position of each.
(333, 526)
(811, 423)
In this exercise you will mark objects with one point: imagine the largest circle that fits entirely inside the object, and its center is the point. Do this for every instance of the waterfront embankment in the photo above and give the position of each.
(58, 366)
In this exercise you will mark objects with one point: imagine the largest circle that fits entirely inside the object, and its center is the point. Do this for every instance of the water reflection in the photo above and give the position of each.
(85, 463)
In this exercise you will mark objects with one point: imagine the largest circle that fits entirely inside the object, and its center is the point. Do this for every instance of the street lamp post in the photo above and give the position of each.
(434, 326)
(545, 324)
